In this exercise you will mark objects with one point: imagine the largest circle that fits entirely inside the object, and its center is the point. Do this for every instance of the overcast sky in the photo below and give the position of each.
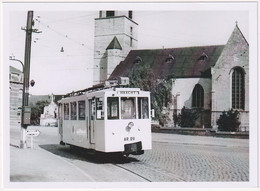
(73, 29)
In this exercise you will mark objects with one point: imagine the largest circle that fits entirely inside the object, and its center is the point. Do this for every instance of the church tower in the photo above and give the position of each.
(115, 36)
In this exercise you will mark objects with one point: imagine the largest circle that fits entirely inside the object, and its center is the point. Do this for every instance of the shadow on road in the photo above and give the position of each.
(77, 153)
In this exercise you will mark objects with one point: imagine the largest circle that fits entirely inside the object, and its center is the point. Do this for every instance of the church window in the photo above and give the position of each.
(66, 111)
(198, 96)
(82, 107)
(130, 14)
(131, 41)
(238, 89)
(110, 13)
(73, 111)
(131, 30)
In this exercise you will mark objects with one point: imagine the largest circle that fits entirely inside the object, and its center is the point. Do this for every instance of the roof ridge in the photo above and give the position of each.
(180, 47)
(241, 33)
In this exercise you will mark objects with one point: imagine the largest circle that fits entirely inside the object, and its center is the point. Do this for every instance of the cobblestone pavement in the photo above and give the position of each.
(208, 159)
(173, 158)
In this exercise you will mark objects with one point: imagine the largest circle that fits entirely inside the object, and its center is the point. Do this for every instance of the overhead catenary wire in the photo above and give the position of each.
(63, 35)
(104, 28)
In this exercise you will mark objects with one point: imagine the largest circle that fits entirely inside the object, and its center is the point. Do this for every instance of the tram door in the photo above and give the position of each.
(60, 121)
(92, 109)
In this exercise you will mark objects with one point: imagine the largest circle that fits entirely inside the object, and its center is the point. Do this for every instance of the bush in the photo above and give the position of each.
(164, 117)
(37, 110)
(187, 117)
(229, 121)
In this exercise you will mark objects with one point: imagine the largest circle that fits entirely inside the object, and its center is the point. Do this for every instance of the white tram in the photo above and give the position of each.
(107, 120)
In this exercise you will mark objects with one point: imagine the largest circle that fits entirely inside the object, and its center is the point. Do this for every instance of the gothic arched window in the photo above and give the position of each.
(198, 96)
(238, 88)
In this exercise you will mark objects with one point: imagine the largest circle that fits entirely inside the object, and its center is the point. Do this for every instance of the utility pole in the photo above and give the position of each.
(26, 111)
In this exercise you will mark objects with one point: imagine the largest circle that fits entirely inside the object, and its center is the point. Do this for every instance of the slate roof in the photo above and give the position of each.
(184, 62)
(114, 44)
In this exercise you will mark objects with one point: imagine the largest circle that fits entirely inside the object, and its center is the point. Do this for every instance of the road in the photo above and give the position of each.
(174, 158)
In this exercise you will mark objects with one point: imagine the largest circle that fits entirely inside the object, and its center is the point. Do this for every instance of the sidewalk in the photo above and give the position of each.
(26, 164)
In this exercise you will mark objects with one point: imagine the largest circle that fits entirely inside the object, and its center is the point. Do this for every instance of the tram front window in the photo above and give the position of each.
(128, 110)
(143, 108)
(112, 108)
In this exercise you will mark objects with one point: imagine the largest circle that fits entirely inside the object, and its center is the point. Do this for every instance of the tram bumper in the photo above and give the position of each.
(134, 148)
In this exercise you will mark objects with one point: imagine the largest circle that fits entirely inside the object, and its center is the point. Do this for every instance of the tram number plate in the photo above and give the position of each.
(129, 138)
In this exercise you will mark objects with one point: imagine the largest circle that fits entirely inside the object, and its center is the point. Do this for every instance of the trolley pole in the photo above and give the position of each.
(27, 56)
(26, 111)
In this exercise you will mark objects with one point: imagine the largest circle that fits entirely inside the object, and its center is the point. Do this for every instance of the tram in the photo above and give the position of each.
(112, 119)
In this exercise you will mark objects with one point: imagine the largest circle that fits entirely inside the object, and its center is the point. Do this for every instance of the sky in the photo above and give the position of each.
(73, 29)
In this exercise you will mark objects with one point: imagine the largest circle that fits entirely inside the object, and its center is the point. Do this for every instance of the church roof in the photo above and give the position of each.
(114, 44)
(184, 62)
(237, 37)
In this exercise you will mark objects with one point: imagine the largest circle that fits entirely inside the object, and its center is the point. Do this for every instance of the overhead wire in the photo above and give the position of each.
(70, 18)
(63, 35)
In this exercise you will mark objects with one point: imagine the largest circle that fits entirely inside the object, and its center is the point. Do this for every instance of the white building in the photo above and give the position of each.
(50, 114)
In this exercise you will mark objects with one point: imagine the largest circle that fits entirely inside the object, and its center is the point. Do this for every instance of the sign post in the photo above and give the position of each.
(31, 134)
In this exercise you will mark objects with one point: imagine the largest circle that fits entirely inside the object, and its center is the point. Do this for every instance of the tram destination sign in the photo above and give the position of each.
(127, 92)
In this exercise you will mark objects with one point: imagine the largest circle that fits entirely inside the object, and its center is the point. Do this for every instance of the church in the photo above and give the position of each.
(214, 77)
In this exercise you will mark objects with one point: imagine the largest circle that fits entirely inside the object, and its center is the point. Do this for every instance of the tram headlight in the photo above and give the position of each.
(130, 126)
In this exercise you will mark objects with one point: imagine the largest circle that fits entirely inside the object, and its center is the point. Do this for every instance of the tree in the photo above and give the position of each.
(229, 121)
(37, 110)
(143, 77)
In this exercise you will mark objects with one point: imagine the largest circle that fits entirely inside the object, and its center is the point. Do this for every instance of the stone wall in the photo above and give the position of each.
(182, 96)
(235, 54)
(105, 30)
(182, 92)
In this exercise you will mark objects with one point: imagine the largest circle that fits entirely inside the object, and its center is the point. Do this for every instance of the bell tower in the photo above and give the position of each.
(115, 36)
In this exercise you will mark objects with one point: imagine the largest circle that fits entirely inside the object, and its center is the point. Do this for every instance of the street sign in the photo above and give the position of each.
(33, 133)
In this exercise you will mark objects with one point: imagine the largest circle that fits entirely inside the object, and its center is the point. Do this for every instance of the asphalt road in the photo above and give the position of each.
(174, 158)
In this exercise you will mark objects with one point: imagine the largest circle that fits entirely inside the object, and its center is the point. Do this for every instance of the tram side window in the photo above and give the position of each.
(82, 108)
(66, 111)
(99, 107)
(73, 111)
(128, 110)
(112, 108)
(143, 109)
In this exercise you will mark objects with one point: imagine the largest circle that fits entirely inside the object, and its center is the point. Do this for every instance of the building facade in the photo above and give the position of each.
(212, 78)
(16, 92)
(50, 114)
(230, 79)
